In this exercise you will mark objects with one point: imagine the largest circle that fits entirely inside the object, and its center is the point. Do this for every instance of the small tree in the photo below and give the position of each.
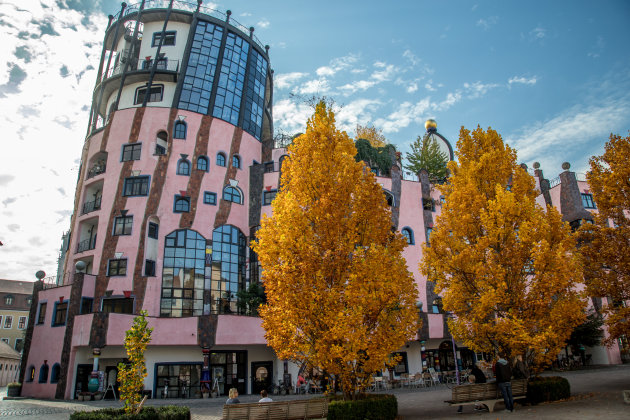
(131, 376)
(605, 245)
(372, 134)
(426, 154)
(504, 265)
(339, 295)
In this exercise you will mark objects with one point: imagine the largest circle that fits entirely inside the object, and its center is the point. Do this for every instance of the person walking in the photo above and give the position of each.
(503, 374)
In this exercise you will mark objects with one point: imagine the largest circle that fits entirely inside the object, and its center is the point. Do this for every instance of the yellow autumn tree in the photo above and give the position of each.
(504, 265)
(339, 295)
(606, 244)
(372, 134)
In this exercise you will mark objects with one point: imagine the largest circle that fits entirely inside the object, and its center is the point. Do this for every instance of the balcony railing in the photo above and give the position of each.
(86, 245)
(96, 170)
(90, 206)
(164, 64)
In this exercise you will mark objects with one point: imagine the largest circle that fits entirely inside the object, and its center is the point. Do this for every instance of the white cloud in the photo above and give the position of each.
(402, 117)
(386, 74)
(315, 87)
(412, 87)
(287, 80)
(451, 99)
(356, 112)
(263, 23)
(429, 86)
(337, 64)
(538, 33)
(291, 116)
(487, 23)
(478, 89)
(359, 85)
(522, 80)
(411, 57)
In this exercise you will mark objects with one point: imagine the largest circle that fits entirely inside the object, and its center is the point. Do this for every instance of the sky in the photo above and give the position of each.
(552, 77)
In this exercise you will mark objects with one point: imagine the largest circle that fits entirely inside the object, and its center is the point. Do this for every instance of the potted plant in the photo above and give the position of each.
(14, 389)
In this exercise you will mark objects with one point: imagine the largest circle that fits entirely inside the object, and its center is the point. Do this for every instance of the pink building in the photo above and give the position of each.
(178, 166)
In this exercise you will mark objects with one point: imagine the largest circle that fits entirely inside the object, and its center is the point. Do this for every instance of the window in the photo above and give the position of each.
(60, 313)
(8, 300)
(169, 38)
(54, 374)
(429, 230)
(149, 268)
(236, 161)
(43, 374)
(86, 305)
(122, 225)
(160, 150)
(153, 230)
(136, 186)
(401, 365)
(182, 204)
(6, 340)
(41, 317)
(118, 305)
(390, 198)
(268, 197)
(587, 201)
(22, 323)
(232, 194)
(436, 306)
(220, 159)
(117, 267)
(131, 151)
(408, 234)
(8, 321)
(269, 167)
(229, 91)
(202, 163)
(179, 131)
(157, 92)
(210, 198)
(228, 267)
(19, 345)
(30, 375)
(428, 204)
(183, 167)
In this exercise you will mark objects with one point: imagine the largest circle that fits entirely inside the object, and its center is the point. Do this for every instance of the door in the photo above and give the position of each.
(262, 376)
(82, 378)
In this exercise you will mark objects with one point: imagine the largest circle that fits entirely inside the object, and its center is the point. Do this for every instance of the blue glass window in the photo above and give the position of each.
(228, 267)
(182, 204)
(255, 95)
(183, 167)
(587, 201)
(202, 65)
(220, 159)
(231, 79)
(43, 374)
(429, 230)
(202, 163)
(183, 274)
(54, 375)
(408, 234)
(179, 132)
(210, 198)
(232, 194)
(236, 161)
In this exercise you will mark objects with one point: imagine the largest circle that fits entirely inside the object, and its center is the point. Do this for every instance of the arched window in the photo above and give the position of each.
(228, 267)
(220, 159)
(183, 274)
(54, 375)
(232, 194)
(390, 198)
(30, 374)
(202, 163)
(179, 131)
(43, 374)
(183, 167)
(161, 143)
(436, 306)
(182, 204)
(408, 234)
(236, 161)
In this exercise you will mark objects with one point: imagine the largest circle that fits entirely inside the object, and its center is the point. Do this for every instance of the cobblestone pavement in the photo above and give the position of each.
(596, 393)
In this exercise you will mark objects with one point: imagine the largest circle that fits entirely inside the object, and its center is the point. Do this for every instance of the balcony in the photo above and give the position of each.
(163, 64)
(90, 206)
(86, 245)
(97, 169)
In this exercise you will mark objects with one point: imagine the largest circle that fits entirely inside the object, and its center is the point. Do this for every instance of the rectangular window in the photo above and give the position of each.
(86, 305)
(587, 201)
(149, 268)
(429, 230)
(117, 267)
(169, 38)
(8, 321)
(269, 167)
(153, 230)
(268, 197)
(136, 186)
(156, 94)
(210, 198)
(22, 323)
(131, 152)
(428, 204)
(122, 225)
(118, 305)
(59, 317)
(19, 344)
(41, 317)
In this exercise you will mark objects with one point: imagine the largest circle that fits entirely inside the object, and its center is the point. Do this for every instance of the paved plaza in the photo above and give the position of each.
(596, 393)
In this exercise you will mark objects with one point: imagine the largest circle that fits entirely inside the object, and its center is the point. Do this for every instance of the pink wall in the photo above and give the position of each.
(239, 330)
(166, 331)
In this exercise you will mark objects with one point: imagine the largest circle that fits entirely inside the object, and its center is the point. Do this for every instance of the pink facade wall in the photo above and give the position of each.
(239, 330)
(166, 331)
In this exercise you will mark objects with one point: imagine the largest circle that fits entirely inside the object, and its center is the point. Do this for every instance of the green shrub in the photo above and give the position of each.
(167, 412)
(547, 388)
(370, 407)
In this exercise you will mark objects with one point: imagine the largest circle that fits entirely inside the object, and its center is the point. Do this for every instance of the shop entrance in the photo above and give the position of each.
(82, 378)
(262, 376)
(228, 369)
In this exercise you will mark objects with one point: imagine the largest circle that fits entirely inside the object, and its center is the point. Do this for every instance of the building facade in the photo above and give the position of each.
(15, 304)
(178, 167)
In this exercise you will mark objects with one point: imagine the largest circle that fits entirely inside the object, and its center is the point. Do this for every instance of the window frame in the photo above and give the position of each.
(236, 161)
(43, 378)
(153, 230)
(54, 373)
(155, 40)
(205, 159)
(117, 272)
(266, 201)
(22, 320)
(126, 223)
(587, 201)
(84, 304)
(9, 299)
(180, 133)
(136, 186)
(210, 198)
(139, 100)
(149, 263)
(409, 237)
(56, 312)
(223, 161)
(181, 198)
(113, 301)
(41, 315)
(7, 319)
(132, 152)
(180, 170)
(238, 190)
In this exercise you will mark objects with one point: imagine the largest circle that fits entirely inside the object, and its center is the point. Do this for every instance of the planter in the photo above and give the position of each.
(14, 391)
(206, 395)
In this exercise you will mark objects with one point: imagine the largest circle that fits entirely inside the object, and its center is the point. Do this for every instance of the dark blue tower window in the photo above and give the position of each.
(255, 95)
(202, 65)
(232, 194)
(228, 267)
(179, 132)
(202, 163)
(220, 159)
(183, 167)
(231, 79)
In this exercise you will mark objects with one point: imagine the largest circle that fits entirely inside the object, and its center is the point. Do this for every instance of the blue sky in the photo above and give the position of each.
(553, 77)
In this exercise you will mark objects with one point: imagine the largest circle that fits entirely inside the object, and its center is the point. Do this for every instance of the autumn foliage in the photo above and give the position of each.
(606, 245)
(339, 295)
(503, 264)
(372, 134)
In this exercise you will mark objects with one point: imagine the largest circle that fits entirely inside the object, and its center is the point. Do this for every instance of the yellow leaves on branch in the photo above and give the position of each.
(504, 265)
(339, 295)
(372, 134)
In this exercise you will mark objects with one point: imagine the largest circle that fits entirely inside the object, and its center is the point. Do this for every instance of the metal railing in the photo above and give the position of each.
(164, 64)
(96, 170)
(554, 182)
(90, 206)
(86, 245)
(188, 7)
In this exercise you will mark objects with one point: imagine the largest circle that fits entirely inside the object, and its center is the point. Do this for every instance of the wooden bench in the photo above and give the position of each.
(316, 408)
(488, 393)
